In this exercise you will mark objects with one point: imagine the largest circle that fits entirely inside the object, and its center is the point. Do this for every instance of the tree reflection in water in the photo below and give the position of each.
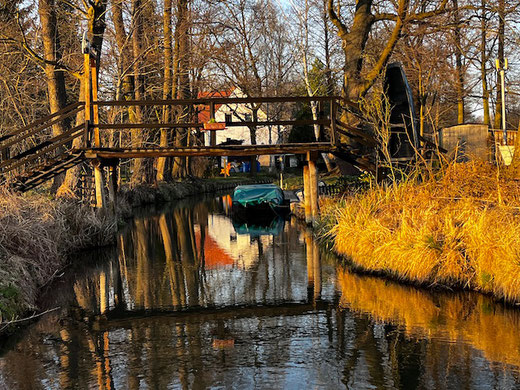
(186, 302)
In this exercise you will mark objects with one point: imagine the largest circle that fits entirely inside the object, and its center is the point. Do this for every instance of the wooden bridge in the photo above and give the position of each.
(33, 154)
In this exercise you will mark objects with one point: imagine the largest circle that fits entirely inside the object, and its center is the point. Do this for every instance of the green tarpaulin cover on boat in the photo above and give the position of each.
(253, 195)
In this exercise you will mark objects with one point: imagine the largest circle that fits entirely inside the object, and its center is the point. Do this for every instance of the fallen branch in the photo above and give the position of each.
(5, 324)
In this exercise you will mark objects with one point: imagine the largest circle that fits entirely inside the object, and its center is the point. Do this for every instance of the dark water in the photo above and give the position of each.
(185, 301)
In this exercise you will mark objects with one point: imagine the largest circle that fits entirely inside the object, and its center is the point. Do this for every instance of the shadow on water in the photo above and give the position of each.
(192, 299)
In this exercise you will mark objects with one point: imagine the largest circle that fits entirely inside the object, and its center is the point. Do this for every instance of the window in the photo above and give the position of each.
(247, 118)
(229, 118)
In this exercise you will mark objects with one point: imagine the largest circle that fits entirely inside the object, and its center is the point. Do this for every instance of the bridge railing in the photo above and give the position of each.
(36, 144)
(116, 115)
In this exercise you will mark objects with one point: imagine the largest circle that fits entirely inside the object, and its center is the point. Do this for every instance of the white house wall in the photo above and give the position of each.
(238, 112)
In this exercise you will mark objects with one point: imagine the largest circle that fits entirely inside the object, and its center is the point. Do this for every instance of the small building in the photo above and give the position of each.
(237, 113)
(466, 142)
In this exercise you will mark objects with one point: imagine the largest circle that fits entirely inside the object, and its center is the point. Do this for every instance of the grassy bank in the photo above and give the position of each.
(461, 229)
(37, 235)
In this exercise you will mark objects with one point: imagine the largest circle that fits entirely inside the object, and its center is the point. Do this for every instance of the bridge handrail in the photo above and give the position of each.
(43, 146)
(208, 101)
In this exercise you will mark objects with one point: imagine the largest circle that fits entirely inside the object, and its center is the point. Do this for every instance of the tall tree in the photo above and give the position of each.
(56, 90)
(181, 80)
(167, 82)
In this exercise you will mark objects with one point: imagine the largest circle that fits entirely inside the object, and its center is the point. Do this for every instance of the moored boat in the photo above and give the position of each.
(260, 200)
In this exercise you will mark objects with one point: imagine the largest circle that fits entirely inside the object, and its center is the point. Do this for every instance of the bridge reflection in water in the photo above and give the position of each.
(187, 302)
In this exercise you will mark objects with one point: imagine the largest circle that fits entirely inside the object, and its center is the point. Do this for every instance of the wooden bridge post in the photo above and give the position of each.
(333, 115)
(92, 116)
(112, 183)
(313, 186)
(307, 195)
(212, 133)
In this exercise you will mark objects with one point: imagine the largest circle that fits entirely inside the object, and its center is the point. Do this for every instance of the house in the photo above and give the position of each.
(237, 113)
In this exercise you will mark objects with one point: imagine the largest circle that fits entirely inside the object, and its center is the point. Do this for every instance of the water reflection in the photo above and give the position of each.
(187, 301)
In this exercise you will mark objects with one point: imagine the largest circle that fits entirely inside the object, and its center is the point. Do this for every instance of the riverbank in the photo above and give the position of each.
(129, 197)
(458, 230)
(38, 234)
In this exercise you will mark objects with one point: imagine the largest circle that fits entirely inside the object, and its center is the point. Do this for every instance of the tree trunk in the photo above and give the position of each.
(501, 57)
(459, 66)
(167, 82)
(57, 92)
(483, 62)
(136, 116)
(183, 83)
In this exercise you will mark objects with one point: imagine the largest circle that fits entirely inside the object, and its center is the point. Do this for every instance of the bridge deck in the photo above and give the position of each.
(208, 151)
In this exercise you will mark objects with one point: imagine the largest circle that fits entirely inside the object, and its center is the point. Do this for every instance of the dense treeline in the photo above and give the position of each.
(152, 49)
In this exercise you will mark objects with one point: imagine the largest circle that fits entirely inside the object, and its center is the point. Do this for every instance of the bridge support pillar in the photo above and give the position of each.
(307, 195)
(112, 184)
(311, 189)
(99, 184)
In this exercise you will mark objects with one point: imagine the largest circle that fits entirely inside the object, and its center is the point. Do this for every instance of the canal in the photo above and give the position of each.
(191, 300)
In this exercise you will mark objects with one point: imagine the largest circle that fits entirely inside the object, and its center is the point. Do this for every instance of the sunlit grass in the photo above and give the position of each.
(459, 229)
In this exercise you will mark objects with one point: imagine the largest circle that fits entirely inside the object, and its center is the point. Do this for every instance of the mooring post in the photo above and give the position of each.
(307, 194)
(313, 186)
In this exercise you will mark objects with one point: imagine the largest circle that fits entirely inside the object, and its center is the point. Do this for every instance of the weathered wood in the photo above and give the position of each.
(95, 108)
(39, 150)
(99, 184)
(42, 120)
(16, 138)
(121, 126)
(313, 187)
(88, 87)
(369, 139)
(333, 116)
(208, 151)
(307, 194)
(208, 101)
(112, 185)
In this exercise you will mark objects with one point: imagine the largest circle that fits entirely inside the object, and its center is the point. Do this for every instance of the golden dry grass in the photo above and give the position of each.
(36, 236)
(462, 229)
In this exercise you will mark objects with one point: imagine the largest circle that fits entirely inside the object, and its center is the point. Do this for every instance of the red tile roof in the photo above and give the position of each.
(204, 115)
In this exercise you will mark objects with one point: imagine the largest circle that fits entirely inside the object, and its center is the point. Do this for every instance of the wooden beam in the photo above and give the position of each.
(15, 138)
(313, 186)
(120, 126)
(208, 101)
(307, 194)
(205, 151)
(99, 184)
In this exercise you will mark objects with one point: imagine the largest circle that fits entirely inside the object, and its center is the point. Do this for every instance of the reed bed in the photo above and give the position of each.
(37, 234)
(459, 229)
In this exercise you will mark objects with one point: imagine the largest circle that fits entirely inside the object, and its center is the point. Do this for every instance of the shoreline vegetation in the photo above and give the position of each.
(38, 235)
(459, 229)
